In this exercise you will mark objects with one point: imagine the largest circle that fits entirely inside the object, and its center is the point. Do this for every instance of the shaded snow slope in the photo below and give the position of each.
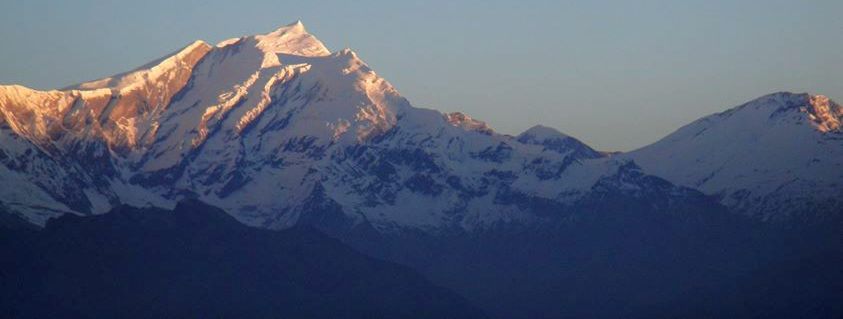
(278, 130)
(778, 155)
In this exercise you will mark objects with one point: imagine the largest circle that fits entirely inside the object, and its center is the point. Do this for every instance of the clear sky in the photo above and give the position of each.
(616, 74)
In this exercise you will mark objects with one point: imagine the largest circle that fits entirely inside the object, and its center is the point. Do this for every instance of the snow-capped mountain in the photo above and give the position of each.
(776, 157)
(278, 130)
(554, 140)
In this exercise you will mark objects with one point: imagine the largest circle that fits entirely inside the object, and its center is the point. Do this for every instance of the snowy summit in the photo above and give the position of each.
(278, 130)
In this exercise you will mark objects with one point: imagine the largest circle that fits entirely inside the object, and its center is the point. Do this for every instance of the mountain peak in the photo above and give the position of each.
(183, 58)
(295, 27)
(770, 157)
(292, 39)
(824, 114)
(468, 123)
(541, 132)
(557, 141)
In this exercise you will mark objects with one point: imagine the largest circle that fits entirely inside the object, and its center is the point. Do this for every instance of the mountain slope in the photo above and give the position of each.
(777, 157)
(197, 261)
(631, 253)
(268, 126)
(281, 133)
(554, 140)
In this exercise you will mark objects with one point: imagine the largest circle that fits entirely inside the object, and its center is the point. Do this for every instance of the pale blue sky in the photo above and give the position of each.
(616, 74)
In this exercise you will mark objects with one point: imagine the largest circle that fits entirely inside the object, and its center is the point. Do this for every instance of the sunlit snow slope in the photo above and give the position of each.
(278, 130)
